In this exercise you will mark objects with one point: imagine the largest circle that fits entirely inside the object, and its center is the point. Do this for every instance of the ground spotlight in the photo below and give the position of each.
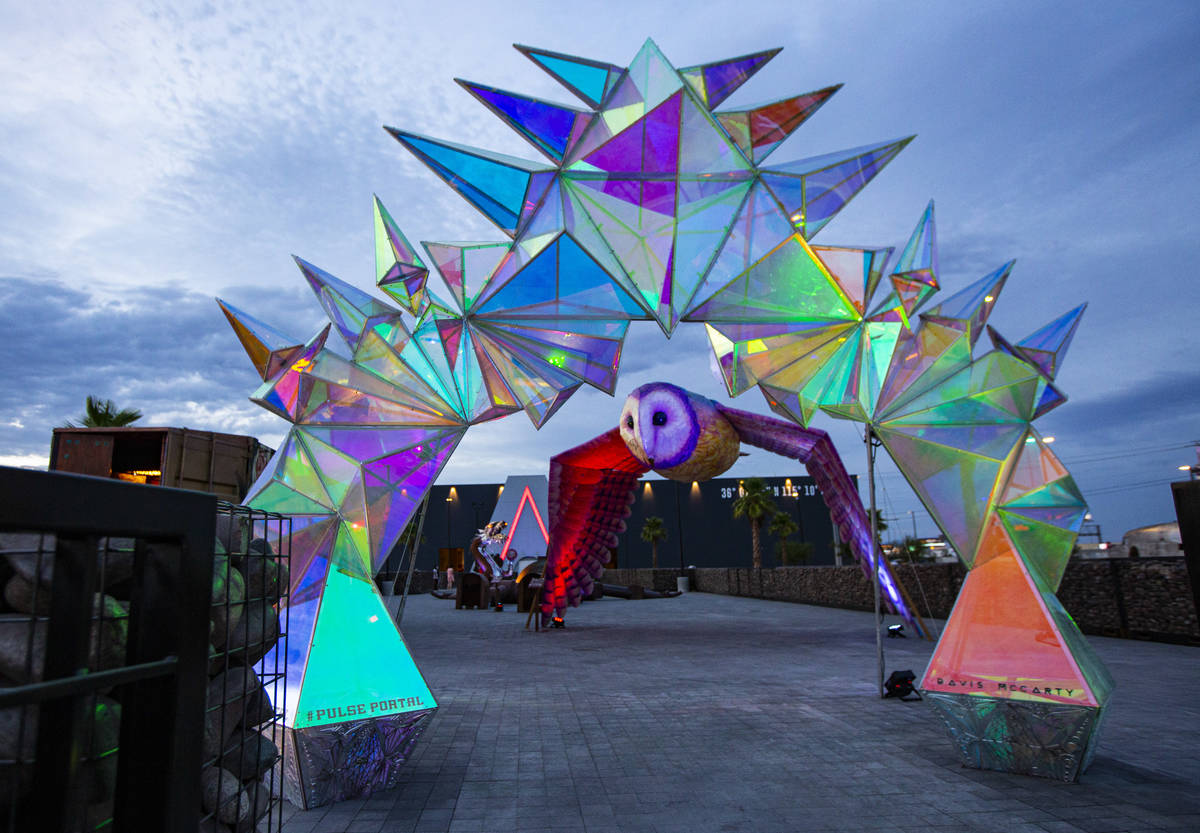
(900, 685)
(895, 631)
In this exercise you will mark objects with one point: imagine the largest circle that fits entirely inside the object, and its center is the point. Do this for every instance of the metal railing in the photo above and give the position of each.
(105, 698)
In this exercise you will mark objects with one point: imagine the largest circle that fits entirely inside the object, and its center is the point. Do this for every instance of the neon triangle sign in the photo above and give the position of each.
(526, 497)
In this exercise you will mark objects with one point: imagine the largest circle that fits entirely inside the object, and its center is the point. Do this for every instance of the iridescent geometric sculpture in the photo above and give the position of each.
(655, 205)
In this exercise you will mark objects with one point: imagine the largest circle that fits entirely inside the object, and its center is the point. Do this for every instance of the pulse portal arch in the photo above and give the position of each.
(655, 205)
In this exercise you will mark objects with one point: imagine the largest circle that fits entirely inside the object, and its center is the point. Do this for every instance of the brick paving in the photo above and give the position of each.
(716, 713)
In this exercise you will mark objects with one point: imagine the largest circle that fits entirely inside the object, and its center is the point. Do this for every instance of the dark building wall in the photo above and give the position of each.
(702, 532)
(698, 518)
(451, 520)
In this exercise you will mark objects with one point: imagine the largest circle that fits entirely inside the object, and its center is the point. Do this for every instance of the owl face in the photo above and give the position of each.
(659, 424)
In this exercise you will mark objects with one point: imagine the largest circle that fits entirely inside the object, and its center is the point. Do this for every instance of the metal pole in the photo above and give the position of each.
(913, 515)
(679, 528)
(412, 561)
(875, 554)
(837, 543)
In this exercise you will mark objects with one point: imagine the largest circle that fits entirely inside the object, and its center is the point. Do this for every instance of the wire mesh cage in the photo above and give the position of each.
(246, 694)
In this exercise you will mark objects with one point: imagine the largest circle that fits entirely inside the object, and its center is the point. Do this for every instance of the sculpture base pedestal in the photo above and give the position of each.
(1049, 740)
(339, 761)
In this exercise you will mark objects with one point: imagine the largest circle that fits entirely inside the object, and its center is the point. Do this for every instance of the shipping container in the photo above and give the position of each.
(202, 461)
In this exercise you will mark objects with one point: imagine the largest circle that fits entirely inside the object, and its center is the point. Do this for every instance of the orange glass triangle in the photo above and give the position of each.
(1001, 641)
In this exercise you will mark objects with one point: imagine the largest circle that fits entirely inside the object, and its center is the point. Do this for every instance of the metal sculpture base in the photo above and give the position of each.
(1049, 740)
(339, 761)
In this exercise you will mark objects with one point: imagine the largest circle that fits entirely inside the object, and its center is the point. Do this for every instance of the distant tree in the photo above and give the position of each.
(782, 527)
(843, 553)
(913, 549)
(881, 521)
(754, 504)
(654, 531)
(103, 413)
(798, 552)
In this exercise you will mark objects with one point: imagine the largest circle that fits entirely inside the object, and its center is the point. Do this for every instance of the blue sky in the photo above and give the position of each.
(156, 156)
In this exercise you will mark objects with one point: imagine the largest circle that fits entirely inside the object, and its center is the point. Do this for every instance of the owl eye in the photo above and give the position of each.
(659, 418)
(629, 422)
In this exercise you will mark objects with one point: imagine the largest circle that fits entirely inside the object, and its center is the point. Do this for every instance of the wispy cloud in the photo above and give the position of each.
(157, 154)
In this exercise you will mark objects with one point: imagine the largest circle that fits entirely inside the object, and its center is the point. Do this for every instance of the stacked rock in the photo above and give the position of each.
(26, 569)
(239, 748)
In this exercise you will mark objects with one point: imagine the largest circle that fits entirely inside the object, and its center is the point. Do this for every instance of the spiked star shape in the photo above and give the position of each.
(664, 192)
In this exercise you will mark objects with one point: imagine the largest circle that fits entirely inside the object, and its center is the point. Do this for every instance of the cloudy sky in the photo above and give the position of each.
(157, 155)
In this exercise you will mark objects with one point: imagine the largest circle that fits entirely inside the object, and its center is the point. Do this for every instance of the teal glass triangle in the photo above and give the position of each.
(358, 665)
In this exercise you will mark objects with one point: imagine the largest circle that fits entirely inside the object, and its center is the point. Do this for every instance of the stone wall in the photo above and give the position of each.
(1141, 597)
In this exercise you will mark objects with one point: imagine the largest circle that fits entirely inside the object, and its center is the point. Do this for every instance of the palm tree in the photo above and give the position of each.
(653, 531)
(754, 504)
(102, 413)
(880, 520)
(782, 526)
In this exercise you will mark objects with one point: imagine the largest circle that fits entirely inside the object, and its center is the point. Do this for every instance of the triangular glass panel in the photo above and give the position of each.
(788, 284)
(1047, 347)
(262, 342)
(813, 190)
(747, 354)
(467, 267)
(590, 350)
(358, 665)
(1094, 671)
(541, 388)
(550, 128)
(1050, 398)
(1035, 467)
(1045, 548)
(653, 75)
(704, 147)
(857, 271)
(919, 258)
(955, 486)
(1002, 641)
(494, 183)
(347, 307)
(758, 131)
(759, 227)
(974, 303)
(996, 441)
(380, 358)
(366, 444)
(312, 539)
(642, 239)
(338, 472)
(715, 82)
(707, 211)
(399, 271)
(787, 404)
(590, 80)
(579, 224)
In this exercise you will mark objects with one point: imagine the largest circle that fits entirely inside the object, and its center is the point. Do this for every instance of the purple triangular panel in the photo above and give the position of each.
(722, 78)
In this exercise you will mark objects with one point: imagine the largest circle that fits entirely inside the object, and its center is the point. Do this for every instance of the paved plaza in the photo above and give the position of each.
(715, 713)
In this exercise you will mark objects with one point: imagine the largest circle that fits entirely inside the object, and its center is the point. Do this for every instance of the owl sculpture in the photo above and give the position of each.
(686, 437)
